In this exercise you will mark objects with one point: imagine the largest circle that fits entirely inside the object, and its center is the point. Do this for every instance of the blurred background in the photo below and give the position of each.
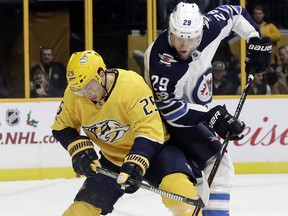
(114, 28)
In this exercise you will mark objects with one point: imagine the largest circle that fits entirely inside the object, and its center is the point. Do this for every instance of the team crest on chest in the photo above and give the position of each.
(166, 59)
(108, 131)
(202, 93)
(205, 88)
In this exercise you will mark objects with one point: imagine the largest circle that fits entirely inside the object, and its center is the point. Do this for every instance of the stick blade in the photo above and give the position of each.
(203, 190)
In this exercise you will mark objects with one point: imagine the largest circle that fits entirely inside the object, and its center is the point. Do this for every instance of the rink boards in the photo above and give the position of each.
(29, 151)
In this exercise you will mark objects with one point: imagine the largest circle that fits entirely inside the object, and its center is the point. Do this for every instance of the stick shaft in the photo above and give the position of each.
(226, 141)
(196, 202)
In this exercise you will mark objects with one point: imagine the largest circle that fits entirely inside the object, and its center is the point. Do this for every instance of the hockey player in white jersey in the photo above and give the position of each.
(178, 69)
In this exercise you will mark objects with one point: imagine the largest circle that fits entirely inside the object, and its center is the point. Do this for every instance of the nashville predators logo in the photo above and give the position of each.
(108, 131)
(83, 60)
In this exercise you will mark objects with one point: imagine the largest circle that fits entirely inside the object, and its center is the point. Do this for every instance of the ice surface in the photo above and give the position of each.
(252, 195)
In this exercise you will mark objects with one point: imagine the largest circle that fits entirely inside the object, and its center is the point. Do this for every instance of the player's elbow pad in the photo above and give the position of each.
(65, 136)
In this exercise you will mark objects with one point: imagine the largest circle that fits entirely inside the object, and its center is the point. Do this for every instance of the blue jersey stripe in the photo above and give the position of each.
(215, 213)
(227, 9)
(219, 196)
(177, 114)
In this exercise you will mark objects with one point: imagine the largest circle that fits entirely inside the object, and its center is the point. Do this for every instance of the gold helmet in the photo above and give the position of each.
(82, 68)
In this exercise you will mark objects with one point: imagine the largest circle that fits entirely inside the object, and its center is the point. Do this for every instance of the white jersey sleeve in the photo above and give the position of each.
(183, 88)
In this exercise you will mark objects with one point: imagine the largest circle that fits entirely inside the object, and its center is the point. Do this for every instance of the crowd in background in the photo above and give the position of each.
(272, 81)
(48, 77)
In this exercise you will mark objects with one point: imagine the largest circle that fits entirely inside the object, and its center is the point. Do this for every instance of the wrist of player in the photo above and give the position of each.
(134, 167)
(233, 126)
(84, 157)
(223, 122)
(258, 55)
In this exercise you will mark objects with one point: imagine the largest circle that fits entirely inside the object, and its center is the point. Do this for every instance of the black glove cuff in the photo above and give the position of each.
(260, 45)
(139, 160)
(80, 144)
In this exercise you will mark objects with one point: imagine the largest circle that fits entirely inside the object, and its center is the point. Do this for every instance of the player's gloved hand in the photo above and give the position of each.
(134, 167)
(84, 157)
(258, 56)
(223, 122)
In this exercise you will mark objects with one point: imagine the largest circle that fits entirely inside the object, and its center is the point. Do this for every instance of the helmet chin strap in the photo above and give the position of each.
(104, 86)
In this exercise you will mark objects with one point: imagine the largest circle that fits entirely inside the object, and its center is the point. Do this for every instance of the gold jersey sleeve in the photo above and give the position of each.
(128, 112)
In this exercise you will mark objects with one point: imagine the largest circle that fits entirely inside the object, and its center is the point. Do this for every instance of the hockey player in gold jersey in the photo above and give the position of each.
(116, 111)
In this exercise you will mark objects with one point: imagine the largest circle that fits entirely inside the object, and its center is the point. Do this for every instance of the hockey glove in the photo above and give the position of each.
(134, 167)
(223, 122)
(258, 56)
(84, 157)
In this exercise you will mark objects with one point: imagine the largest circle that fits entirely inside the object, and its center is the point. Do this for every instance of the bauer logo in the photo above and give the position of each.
(12, 117)
(260, 48)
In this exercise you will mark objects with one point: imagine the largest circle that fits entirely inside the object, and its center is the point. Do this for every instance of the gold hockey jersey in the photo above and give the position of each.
(127, 112)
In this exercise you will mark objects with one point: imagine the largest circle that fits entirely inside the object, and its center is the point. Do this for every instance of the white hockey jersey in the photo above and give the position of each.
(183, 88)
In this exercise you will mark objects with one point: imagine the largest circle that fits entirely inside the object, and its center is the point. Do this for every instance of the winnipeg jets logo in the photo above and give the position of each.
(196, 55)
(166, 59)
(203, 91)
(206, 86)
(108, 131)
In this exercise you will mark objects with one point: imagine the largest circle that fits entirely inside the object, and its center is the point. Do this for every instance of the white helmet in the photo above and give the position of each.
(186, 21)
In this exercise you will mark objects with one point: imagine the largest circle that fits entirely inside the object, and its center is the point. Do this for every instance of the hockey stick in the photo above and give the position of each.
(226, 141)
(200, 202)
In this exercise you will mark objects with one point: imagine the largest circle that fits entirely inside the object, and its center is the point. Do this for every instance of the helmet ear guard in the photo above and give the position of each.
(186, 21)
(83, 67)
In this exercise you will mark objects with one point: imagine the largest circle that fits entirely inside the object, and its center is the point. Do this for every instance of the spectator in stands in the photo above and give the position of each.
(234, 71)
(54, 71)
(40, 85)
(281, 86)
(221, 86)
(271, 76)
(283, 55)
(259, 85)
(276, 78)
(267, 29)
